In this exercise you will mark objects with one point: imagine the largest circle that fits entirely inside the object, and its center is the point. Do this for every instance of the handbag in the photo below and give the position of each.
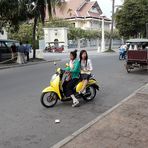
(68, 76)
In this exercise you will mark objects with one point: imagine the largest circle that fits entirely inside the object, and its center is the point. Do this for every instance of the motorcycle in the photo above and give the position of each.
(51, 94)
(122, 55)
(122, 52)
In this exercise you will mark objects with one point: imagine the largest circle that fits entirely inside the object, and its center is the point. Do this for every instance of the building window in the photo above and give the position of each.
(94, 10)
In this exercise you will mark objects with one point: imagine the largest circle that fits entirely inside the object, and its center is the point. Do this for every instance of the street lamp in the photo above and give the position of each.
(103, 36)
(147, 30)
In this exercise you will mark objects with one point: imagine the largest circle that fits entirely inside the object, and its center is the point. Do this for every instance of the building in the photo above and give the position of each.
(83, 14)
(3, 34)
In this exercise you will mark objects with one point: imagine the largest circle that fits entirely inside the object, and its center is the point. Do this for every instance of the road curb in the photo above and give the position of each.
(23, 65)
(91, 123)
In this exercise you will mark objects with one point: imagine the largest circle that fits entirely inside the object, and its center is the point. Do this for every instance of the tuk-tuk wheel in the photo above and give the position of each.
(128, 68)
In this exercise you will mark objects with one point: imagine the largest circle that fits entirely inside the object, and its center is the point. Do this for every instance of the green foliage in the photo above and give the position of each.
(23, 34)
(116, 34)
(12, 12)
(78, 33)
(131, 19)
(92, 34)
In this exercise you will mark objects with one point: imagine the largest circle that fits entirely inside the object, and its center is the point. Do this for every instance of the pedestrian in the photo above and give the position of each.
(69, 84)
(86, 69)
(14, 51)
(27, 50)
(21, 55)
(122, 52)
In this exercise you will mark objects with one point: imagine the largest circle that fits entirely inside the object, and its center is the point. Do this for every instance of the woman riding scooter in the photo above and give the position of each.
(86, 69)
(74, 69)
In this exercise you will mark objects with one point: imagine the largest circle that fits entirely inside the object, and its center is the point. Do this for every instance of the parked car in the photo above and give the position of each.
(5, 49)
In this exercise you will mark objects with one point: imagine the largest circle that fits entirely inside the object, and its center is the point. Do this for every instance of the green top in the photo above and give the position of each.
(76, 70)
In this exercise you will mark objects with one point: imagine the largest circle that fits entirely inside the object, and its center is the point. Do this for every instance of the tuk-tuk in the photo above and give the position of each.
(54, 47)
(137, 54)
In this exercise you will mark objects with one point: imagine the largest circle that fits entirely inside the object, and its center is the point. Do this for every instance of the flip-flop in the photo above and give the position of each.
(76, 104)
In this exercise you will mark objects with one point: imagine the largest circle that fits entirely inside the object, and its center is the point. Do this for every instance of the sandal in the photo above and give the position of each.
(76, 104)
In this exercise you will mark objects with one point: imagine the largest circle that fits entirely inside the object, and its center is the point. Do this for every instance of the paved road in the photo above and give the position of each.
(24, 122)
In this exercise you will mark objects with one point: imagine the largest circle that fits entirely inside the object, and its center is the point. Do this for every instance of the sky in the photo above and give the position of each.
(106, 6)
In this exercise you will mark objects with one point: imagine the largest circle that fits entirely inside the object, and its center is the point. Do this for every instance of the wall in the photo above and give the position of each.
(50, 34)
(4, 36)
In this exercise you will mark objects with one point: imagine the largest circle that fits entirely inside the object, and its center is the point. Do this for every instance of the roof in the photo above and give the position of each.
(78, 9)
(84, 11)
(5, 40)
(138, 40)
(69, 9)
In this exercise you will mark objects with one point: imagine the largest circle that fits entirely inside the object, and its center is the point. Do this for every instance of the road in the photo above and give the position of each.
(24, 122)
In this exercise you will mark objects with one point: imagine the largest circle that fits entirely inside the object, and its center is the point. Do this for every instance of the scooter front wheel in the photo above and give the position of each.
(49, 99)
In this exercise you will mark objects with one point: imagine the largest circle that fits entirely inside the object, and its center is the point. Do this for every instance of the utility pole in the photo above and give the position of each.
(112, 25)
(147, 30)
(103, 38)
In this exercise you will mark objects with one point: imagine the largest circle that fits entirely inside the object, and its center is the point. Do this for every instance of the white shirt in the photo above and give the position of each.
(87, 67)
(71, 64)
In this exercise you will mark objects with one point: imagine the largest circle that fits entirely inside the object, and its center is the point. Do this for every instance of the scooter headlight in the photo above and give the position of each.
(53, 77)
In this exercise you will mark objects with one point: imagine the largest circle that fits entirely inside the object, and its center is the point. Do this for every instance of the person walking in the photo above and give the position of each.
(21, 55)
(27, 50)
(14, 51)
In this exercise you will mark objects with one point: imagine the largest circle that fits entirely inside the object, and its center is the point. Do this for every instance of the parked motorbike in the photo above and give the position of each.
(54, 92)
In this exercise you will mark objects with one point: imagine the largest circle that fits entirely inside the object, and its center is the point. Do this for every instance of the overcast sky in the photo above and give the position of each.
(106, 6)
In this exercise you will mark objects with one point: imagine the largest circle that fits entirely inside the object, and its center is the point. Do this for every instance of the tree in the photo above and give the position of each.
(131, 18)
(37, 9)
(12, 12)
(78, 33)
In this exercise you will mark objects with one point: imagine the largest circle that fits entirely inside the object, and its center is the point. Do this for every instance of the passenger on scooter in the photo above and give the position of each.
(74, 69)
(86, 68)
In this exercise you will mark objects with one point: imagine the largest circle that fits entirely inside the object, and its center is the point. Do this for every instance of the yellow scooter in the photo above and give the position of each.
(54, 92)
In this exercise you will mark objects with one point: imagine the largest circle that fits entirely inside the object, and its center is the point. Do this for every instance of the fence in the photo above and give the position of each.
(92, 44)
(88, 44)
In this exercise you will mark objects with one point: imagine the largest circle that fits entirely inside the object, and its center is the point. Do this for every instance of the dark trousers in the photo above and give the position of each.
(68, 87)
(27, 54)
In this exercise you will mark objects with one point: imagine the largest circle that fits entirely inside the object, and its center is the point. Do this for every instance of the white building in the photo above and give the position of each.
(83, 14)
(3, 34)
(56, 37)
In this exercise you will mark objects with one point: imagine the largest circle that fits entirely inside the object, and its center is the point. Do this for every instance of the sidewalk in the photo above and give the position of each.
(123, 126)
(32, 62)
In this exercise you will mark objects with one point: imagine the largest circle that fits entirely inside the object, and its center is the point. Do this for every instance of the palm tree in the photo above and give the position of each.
(37, 9)
(12, 13)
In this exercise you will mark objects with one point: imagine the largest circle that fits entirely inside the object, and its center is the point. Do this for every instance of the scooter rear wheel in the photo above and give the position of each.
(49, 99)
(91, 91)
